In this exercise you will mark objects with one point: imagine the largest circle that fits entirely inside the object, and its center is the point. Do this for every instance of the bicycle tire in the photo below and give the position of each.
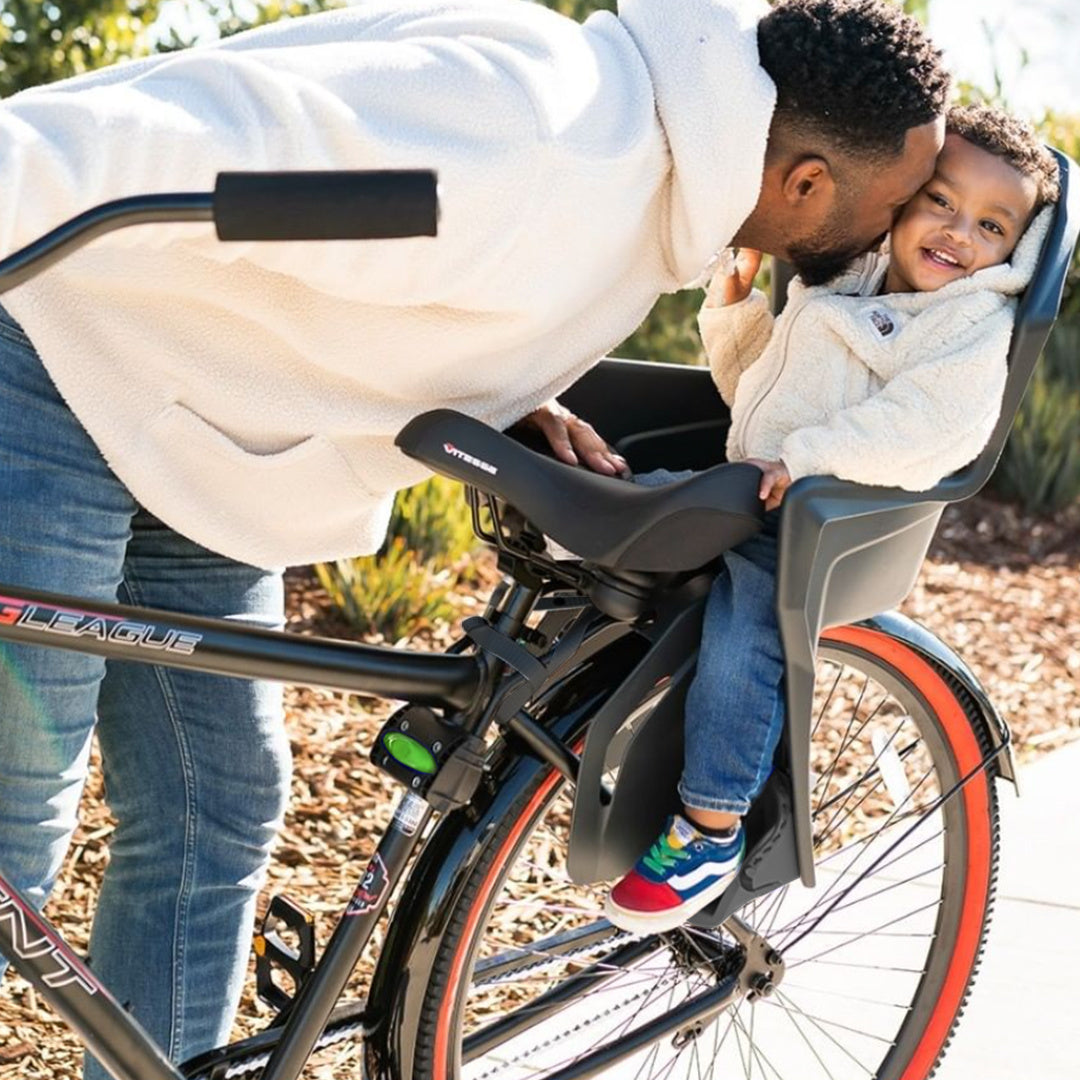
(921, 735)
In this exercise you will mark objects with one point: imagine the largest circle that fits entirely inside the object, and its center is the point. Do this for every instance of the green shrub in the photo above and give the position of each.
(433, 519)
(393, 593)
(1040, 466)
(409, 584)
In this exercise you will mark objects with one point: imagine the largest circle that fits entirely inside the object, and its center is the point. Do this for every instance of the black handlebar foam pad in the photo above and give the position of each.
(362, 205)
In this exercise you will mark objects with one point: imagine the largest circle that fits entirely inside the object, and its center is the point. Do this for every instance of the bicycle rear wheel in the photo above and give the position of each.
(530, 981)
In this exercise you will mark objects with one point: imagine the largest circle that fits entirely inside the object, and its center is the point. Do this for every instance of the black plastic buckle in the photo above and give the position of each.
(434, 758)
(272, 952)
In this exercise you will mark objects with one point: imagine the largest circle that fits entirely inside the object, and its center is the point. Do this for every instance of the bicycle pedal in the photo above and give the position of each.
(273, 953)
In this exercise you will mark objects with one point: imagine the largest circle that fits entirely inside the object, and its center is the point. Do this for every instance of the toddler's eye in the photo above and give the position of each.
(940, 200)
(994, 227)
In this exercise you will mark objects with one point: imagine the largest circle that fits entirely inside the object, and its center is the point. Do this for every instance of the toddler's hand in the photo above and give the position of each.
(775, 480)
(733, 283)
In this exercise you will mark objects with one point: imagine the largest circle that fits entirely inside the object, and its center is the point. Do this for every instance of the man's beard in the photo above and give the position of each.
(825, 254)
(817, 267)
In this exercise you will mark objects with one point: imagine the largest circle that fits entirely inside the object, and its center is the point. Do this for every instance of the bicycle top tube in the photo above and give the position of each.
(226, 647)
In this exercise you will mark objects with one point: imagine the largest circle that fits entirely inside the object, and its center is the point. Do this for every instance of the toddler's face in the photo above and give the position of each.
(968, 216)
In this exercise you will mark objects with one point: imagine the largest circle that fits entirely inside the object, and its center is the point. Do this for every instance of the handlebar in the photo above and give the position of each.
(359, 205)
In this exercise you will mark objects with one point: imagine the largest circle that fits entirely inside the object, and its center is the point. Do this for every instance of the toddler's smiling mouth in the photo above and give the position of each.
(941, 259)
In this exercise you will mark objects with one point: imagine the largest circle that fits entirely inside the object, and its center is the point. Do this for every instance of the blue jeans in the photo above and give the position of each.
(196, 766)
(735, 704)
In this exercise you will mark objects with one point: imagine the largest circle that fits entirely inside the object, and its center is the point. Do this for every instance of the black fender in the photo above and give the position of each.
(452, 851)
(959, 676)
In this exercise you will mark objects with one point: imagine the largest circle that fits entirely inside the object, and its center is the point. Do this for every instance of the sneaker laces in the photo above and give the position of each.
(662, 856)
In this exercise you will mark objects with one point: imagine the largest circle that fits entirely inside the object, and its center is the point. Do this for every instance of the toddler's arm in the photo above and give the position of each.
(928, 420)
(735, 322)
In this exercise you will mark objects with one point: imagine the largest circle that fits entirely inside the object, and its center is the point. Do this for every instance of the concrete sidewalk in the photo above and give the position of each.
(1023, 1018)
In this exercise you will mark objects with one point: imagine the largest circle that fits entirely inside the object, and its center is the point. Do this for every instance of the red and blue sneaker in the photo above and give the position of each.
(684, 871)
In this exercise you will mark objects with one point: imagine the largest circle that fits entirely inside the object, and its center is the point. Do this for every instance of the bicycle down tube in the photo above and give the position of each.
(366, 204)
(43, 958)
(222, 647)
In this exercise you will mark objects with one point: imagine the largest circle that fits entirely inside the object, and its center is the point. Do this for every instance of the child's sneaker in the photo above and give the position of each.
(682, 872)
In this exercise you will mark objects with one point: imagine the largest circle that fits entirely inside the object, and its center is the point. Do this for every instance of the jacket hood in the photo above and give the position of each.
(715, 103)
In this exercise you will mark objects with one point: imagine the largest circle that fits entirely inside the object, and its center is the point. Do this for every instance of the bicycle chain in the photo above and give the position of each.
(555, 1039)
(259, 1061)
(331, 1038)
(585, 952)
(566, 1034)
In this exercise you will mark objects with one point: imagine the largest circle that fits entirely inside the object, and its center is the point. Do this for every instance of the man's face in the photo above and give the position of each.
(864, 209)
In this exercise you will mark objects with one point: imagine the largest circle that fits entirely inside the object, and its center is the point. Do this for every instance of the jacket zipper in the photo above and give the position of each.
(742, 434)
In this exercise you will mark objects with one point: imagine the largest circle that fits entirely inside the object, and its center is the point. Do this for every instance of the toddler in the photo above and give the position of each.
(890, 374)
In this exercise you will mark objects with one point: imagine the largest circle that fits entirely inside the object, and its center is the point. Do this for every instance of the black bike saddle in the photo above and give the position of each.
(602, 519)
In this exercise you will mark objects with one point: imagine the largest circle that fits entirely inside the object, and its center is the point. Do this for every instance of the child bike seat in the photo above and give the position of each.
(601, 519)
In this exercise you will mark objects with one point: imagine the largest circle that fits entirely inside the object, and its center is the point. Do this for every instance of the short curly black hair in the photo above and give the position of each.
(856, 73)
(1008, 137)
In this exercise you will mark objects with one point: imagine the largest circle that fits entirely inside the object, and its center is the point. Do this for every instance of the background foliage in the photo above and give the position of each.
(45, 40)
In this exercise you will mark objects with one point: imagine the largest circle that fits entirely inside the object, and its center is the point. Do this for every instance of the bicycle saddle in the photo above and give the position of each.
(601, 519)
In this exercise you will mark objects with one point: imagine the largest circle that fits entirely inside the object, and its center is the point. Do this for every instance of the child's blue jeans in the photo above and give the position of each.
(735, 705)
(196, 766)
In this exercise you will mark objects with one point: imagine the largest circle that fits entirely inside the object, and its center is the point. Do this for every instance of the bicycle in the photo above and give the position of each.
(539, 755)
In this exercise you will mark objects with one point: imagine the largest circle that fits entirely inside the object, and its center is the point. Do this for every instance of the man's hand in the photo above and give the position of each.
(733, 282)
(575, 441)
(775, 480)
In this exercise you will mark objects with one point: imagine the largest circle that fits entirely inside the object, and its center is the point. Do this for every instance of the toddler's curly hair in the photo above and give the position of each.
(1006, 136)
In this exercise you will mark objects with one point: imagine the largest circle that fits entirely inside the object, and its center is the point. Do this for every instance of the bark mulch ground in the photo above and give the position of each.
(1003, 589)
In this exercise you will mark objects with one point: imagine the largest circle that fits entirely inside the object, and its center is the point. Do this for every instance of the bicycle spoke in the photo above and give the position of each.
(789, 1013)
(864, 934)
(848, 739)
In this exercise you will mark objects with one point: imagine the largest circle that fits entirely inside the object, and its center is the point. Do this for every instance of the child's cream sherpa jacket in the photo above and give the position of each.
(897, 390)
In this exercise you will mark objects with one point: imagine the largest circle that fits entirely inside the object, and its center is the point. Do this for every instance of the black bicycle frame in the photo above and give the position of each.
(221, 647)
(42, 957)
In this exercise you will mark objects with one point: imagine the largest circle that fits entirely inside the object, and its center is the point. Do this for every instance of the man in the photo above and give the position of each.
(178, 414)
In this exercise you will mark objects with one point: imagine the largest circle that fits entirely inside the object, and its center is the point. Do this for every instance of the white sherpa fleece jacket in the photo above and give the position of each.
(897, 390)
(249, 394)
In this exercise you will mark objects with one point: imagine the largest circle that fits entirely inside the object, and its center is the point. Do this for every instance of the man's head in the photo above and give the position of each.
(992, 176)
(858, 125)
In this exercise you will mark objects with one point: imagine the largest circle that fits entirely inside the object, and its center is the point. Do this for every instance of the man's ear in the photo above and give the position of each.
(809, 184)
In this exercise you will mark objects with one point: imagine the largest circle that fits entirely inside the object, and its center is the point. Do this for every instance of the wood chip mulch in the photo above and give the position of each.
(1003, 589)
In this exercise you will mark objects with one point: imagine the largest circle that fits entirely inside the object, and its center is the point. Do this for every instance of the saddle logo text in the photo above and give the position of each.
(31, 942)
(475, 462)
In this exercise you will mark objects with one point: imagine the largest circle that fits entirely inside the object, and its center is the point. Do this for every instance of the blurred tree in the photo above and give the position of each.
(45, 40)
(579, 9)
